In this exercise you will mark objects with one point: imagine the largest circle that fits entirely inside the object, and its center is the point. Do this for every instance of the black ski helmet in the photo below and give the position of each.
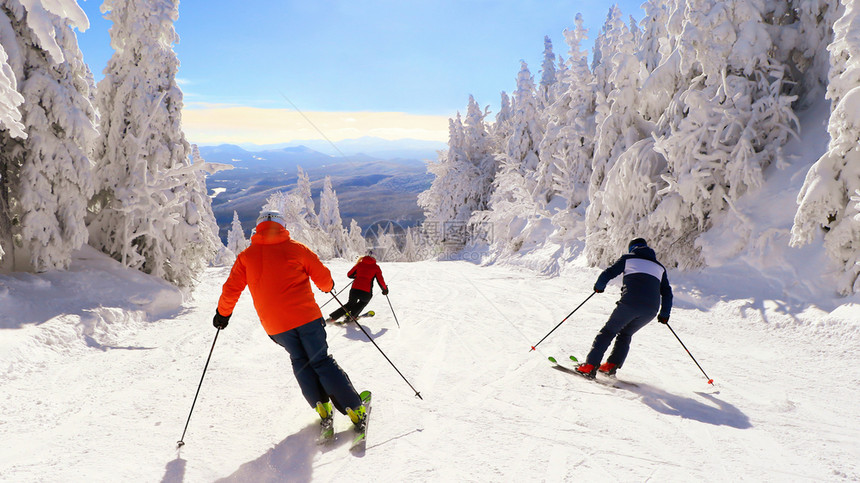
(636, 243)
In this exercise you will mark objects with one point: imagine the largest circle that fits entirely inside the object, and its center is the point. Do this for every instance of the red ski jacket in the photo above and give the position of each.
(277, 271)
(364, 272)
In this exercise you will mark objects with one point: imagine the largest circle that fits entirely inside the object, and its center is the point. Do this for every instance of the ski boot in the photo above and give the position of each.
(608, 368)
(357, 416)
(586, 370)
(326, 421)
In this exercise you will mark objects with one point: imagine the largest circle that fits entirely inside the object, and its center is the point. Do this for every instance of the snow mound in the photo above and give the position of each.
(70, 311)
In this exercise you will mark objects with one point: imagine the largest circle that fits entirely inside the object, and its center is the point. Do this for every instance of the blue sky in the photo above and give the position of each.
(343, 62)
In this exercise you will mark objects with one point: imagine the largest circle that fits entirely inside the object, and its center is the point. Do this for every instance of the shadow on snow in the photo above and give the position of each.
(354, 333)
(290, 460)
(175, 471)
(718, 412)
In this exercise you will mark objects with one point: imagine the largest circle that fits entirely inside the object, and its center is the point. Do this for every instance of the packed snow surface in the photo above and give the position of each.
(99, 367)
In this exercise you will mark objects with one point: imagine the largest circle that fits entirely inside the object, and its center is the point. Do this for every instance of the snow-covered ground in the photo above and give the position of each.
(99, 366)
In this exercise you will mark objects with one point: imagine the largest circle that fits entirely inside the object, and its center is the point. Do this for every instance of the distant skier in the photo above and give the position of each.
(364, 272)
(645, 290)
(278, 270)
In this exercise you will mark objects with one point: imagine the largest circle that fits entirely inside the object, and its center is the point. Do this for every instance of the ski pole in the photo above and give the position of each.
(181, 441)
(392, 310)
(338, 292)
(377, 346)
(710, 381)
(568, 316)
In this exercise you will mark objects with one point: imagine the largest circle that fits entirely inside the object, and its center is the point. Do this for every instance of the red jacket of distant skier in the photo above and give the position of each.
(364, 272)
(277, 271)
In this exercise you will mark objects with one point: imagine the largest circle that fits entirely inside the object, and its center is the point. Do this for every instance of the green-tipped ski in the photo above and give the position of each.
(359, 443)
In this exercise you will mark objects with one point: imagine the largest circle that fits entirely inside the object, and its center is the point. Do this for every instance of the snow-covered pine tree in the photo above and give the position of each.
(194, 235)
(568, 144)
(303, 191)
(802, 30)
(618, 77)
(385, 246)
(500, 130)
(356, 244)
(479, 151)
(830, 197)
(442, 201)
(142, 155)
(630, 195)
(727, 126)
(546, 89)
(601, 67)
(413, 247)
(330, 220)
(654, 44)
(519, 195)
(200, 193)
(547, 94)
(10, 115)
(521, 151)
(464, 174)
(236, 241)
(10, 99)
(45, 169)
(561, 76)
(619, 126)
(638, 35)
(662, 28)
(656, 78)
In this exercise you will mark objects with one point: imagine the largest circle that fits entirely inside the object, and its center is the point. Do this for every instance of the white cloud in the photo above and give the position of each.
(212, 123)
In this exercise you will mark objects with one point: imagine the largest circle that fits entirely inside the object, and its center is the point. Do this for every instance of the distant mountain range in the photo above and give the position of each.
(371, 189)
(415, 149)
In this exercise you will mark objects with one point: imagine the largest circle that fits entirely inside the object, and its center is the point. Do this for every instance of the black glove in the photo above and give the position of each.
(385, 291)
(220, 321)
(663, 319)
(598, 290)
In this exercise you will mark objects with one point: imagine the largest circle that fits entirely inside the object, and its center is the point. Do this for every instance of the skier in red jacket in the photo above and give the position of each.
(364, 272)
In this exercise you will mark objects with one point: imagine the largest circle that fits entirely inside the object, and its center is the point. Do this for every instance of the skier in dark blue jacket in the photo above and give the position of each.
(645, 293)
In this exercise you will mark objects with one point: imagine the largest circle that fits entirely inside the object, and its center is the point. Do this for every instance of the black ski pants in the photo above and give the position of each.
(316, 371)
(358, 300)
(625, 321)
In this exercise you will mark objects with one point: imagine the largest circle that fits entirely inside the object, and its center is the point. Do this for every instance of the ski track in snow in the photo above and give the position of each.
(106, 398)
